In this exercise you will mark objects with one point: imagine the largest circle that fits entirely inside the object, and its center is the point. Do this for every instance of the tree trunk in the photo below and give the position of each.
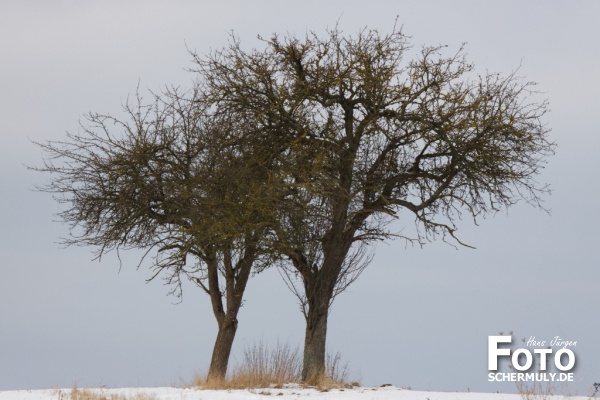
(313, 370)
(222, 349)
(319, 289)
(236, 277)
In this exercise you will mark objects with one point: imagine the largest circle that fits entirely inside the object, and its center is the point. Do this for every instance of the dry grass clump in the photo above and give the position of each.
(336, 374)
(99, 394)
(262, 367)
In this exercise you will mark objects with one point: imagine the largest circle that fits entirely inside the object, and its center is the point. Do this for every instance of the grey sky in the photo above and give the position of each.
(417, 317)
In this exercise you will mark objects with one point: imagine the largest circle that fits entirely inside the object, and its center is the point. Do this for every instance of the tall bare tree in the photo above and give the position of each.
(375, 138)
(177, 182)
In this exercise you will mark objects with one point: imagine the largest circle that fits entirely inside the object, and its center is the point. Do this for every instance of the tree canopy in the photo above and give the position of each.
(177, 182)
(300, 154)
(388, 138)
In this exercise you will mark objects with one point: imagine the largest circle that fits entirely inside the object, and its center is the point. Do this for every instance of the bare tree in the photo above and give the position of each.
(180, 184)
(374, 138)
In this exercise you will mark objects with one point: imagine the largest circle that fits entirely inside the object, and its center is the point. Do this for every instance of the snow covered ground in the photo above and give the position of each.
(169, 393)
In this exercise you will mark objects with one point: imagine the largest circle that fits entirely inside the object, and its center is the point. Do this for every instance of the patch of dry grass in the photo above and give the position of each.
(262, 367)
(336, 374)
(99, 394)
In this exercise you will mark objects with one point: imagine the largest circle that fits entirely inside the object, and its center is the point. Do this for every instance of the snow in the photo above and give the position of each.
(288, 393)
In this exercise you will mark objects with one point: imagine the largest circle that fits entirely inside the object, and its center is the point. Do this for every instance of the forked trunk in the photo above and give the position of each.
(236, 277)
(222, 349)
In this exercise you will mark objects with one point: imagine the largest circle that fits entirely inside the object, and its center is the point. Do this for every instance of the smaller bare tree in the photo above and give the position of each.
(180, 184)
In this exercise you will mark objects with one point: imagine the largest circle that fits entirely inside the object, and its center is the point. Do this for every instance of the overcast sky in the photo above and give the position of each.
(418, 317)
